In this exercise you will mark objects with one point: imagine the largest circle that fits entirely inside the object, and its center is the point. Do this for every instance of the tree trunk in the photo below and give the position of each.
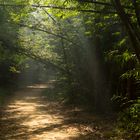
(137, 12)
(133, 34)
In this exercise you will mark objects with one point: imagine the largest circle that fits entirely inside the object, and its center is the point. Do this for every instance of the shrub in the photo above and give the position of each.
(129, 121)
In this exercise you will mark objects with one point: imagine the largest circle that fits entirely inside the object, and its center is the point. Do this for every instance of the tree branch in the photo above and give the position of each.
(103, 3)
(10, 46)
(61, 8)
(48, 32)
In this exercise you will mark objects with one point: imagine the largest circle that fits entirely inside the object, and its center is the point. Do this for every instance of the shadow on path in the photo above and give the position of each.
(30, 115)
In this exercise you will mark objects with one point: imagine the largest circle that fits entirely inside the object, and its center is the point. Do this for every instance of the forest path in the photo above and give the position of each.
(30, 115)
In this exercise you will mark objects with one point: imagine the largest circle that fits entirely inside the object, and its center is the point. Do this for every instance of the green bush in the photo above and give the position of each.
(129, 121)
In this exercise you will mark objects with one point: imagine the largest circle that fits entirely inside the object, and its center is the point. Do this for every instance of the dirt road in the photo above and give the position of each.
(29, 115)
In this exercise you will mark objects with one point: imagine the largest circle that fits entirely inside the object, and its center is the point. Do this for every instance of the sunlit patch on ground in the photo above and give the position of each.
(37, 120)
(31, 116)
(41, 86)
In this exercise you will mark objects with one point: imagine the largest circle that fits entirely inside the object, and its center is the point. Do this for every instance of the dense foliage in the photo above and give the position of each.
(129, 121)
